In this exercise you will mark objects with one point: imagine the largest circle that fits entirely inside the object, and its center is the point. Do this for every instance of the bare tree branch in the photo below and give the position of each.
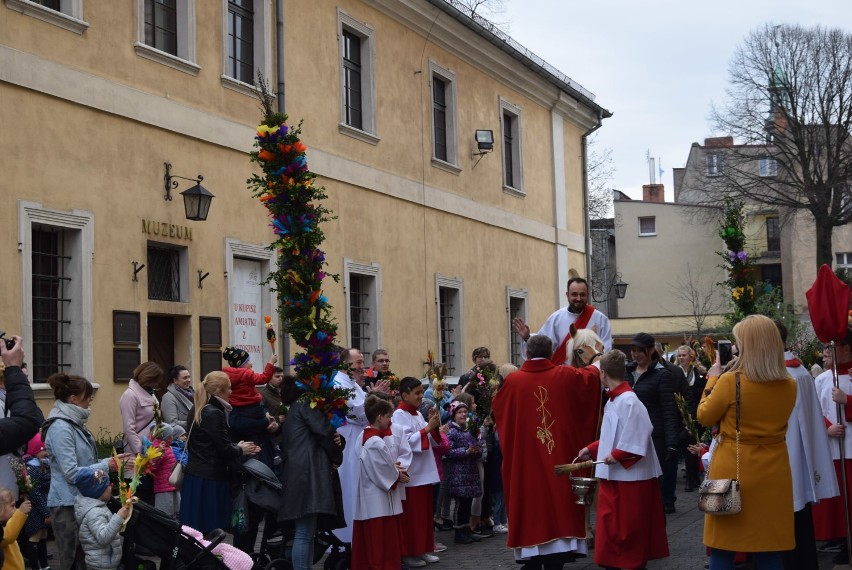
(789, 99)
(600, 172)
(698, 294)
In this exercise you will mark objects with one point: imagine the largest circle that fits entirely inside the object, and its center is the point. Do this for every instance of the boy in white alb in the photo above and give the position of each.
(378, 507)
(631, 526)
(418, 532)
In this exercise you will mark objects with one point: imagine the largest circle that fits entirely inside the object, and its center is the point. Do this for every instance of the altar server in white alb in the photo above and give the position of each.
(418, 532)
(378, 507)
(810, 461)
(351, 431)
(631, 526)
(829, 514)
(578, 313)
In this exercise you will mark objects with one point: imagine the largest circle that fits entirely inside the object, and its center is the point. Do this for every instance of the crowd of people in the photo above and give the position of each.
(476, 458)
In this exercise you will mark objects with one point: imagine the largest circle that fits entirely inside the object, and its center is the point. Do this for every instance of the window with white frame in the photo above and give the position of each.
(715, 164)
(843, 260)
(516, 308)
(67, 14)
(56, 262)
(247, 35)
(363, 305)
(510, 132)
(647, 225)
(444, 151)
(166, 33)
(450, 295)
(768, 167)
(357, 82)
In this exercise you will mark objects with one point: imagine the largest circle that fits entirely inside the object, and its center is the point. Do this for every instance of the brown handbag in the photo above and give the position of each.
(722, 496)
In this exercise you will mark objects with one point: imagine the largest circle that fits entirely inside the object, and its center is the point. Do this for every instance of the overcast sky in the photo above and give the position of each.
(657, 65)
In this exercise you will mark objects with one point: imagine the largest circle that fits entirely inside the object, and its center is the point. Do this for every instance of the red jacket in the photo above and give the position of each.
(243, 382)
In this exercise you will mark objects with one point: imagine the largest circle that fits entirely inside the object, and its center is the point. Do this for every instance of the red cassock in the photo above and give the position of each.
(829, 516)
(544, 415)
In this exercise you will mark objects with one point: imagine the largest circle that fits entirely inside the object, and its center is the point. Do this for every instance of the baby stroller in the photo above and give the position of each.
(153, 533)
(264, 490)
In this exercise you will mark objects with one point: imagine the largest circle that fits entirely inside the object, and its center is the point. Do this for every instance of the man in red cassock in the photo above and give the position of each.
(543, 414)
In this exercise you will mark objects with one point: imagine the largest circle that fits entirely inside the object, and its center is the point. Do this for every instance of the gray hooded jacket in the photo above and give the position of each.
(99, 533)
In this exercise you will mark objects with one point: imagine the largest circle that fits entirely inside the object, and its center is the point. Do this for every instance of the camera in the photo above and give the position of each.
(10, 344)
(118, 445)
(725, 354)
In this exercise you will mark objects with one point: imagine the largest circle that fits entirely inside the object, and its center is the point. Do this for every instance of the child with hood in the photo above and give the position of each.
(99, 527)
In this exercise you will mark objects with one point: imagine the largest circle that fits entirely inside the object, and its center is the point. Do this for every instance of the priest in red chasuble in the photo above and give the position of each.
(543, 414)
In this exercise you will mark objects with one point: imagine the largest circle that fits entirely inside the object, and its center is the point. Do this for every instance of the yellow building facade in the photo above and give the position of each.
(437, 242)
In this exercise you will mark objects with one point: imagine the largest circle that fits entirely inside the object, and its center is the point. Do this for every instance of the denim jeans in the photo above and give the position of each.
(724, 560)
(303, 542)
(498, 513)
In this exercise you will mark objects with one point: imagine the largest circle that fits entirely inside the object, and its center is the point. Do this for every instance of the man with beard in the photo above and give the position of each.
(578, 313)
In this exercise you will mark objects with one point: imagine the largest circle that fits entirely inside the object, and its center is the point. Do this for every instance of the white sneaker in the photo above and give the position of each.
(413, 562)
(430, 558)
(501, 529)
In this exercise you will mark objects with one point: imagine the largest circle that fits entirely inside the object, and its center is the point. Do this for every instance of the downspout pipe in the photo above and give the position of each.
(279, 73)
(279, 61)
(585, 159)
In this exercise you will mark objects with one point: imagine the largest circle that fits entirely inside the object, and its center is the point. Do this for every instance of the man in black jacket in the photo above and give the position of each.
(23, 417)
(655, 387)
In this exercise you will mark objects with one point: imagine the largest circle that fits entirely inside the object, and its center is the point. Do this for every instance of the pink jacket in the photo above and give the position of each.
(137, 412)
(161, 469)
(440, 451)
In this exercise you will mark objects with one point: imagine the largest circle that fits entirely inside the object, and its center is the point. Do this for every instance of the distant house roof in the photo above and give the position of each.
(502, 40)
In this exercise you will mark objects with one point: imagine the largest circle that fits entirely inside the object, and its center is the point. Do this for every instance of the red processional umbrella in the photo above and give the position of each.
(828, 304)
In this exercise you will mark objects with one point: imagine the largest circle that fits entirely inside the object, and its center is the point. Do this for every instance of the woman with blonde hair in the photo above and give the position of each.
(759, 461)
(205, 496)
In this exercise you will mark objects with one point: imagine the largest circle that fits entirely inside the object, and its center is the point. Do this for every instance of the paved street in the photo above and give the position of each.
(684, 530)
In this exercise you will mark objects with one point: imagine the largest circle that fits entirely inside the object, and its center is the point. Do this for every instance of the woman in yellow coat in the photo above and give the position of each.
(767, 396)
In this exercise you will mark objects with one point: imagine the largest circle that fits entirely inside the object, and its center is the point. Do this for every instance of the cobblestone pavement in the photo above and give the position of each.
(684, 528)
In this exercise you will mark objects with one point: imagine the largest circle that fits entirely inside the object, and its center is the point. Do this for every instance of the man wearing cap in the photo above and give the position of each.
(578, 313)
(542, 413)
(655, 386)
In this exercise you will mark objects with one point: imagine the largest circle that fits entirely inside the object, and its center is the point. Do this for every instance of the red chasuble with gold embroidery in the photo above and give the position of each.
(544, 415)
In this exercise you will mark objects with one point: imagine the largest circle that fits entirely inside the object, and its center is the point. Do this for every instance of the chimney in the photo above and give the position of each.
(719, 142)
(653, 193)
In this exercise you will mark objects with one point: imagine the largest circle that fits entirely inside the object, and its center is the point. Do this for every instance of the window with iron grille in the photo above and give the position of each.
(352, 89)
(773, 234)
(50, 303)
(163, 273)
(363, 285)
(517, 309)
(161, 29)
(447, 304)
(241, 40)
(359, 312)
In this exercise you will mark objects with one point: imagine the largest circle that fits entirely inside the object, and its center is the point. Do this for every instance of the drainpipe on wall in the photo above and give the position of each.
(585, 159)
(279, 57)
(279, 72)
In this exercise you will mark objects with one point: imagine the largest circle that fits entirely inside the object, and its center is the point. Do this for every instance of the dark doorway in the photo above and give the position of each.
(161, 344)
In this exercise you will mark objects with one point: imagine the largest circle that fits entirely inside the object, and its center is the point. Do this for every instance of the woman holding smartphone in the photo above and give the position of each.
(758, 456)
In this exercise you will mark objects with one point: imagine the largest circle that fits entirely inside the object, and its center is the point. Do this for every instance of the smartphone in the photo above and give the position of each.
(724, 348)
